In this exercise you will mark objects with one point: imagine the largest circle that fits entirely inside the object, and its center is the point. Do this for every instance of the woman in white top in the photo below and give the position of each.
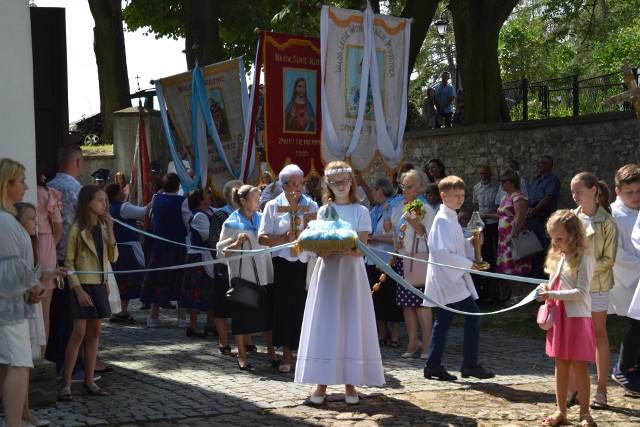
(290, 267)
(410, 236)
(242, 227)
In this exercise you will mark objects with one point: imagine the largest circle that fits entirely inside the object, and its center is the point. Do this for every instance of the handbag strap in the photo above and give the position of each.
(416, 242)
(255, 268)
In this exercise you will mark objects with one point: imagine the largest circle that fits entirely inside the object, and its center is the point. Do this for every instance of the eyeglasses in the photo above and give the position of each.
(336, 184)
(406, 187)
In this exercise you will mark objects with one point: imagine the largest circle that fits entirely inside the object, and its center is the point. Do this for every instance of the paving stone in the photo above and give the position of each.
(164, 379)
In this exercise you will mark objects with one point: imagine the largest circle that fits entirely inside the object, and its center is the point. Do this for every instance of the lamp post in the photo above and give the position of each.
(441, 24)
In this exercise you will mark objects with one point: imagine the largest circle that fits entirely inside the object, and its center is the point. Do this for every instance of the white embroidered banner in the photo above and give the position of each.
(364, 60)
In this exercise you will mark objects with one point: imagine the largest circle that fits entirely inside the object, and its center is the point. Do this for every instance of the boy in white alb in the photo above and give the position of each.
(627, 274)
(451, 287)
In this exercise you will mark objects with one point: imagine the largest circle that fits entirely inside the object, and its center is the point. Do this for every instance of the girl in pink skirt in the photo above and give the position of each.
(571, 340)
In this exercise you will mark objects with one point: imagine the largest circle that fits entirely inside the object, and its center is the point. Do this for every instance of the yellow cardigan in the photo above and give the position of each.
(603, 240)
(83, 256)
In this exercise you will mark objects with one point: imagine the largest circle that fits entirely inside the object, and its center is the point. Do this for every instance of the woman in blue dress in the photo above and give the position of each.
(161, 287)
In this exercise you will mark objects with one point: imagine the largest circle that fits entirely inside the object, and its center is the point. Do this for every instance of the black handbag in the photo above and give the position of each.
(244, 292)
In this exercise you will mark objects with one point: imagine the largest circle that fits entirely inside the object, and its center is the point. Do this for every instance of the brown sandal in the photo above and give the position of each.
(64, 395)
(94, 390)
(586, 420)
(556, 419)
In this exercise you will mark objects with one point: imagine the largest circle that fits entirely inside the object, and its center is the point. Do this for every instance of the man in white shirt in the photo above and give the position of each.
(626, 274)
(484, 201)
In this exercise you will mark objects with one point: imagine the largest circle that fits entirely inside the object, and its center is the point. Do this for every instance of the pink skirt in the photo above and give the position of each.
(47, 256)
(571, 338)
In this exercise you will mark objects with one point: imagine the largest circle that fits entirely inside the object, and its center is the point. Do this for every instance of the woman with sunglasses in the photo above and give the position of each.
(406, 230)
(512, 220)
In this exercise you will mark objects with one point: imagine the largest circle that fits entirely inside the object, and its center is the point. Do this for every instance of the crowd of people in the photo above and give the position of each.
(318, 308)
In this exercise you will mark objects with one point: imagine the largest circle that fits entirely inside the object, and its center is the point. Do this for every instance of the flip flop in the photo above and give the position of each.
(599, 401)
(122, 318)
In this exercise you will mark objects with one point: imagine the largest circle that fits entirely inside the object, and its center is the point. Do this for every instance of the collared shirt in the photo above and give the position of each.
(484, 195)
(626, 273)
(443, 93)
(545, 185)
(69, 188)
(447, 245)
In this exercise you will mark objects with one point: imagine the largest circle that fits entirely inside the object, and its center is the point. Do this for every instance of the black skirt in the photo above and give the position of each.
(245, 320)
(100, 308)
(384, 300)
(289, 300)
(221, 306)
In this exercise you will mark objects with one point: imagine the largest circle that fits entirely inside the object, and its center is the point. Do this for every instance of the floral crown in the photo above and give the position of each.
(329, 172)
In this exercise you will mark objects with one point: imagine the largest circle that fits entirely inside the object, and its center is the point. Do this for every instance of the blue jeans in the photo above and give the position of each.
(440, 329)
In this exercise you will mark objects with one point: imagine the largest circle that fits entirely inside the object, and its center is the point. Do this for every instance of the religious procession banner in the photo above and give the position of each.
(209, 108)
(364, 94)
(292, 117)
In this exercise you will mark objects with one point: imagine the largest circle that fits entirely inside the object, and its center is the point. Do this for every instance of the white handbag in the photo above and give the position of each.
(525, 244)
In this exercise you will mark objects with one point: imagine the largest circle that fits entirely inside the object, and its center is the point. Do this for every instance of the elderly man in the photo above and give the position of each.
(484, 201)
(445, 95)
(543, 201)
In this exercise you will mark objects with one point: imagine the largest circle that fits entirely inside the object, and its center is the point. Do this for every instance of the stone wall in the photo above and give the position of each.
(598, 143)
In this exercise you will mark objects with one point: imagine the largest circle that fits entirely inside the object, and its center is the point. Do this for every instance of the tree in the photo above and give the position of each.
(108, 44)
(477, 26)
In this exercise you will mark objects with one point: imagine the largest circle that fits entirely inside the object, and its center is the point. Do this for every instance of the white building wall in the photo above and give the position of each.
(17, 119)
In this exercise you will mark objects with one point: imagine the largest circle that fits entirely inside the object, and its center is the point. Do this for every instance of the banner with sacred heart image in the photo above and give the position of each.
(287, 108)
(209, 110)
(364, 76)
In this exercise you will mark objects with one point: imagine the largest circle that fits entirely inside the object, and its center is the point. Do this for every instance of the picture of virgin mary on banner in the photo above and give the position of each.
(364, 85)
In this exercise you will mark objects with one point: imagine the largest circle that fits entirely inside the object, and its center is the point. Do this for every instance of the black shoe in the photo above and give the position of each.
(195, 333)
(145, 306)
(168, 306)
(211, 330)
(477, 372)
(440, 373)
(243, 366)
(250, 348)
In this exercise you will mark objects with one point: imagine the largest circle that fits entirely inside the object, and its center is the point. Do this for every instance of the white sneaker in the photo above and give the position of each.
(153, 323)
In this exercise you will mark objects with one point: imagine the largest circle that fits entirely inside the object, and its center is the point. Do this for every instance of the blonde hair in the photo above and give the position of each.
(577, 245)
(327, 193)
(450, 182)
(10, 170)
(418, 177)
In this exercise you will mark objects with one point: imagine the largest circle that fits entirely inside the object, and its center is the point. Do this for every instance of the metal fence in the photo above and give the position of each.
(564, 96)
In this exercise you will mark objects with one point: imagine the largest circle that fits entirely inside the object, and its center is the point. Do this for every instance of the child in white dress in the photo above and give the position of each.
(339, 341)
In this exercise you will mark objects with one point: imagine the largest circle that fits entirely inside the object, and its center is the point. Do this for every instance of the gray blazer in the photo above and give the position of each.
(574, 289)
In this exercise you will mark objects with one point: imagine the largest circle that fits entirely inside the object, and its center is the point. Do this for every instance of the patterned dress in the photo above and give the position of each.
(507, 215)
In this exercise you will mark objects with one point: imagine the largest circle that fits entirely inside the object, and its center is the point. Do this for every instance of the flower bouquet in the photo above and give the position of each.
(414, 210)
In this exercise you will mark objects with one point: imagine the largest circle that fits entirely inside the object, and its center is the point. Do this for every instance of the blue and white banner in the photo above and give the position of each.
(208, 108)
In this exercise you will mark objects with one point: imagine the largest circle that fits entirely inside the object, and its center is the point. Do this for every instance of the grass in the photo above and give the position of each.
(521, 322)
(89, 150)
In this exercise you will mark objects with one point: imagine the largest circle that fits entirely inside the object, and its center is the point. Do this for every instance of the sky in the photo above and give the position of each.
(146, 57)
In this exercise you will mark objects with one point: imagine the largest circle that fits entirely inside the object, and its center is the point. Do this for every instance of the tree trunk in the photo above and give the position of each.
(477, 26)
(111, 58)
(202, 35)
(422, 12)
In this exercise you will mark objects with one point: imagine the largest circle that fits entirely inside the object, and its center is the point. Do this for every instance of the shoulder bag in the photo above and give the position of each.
(545, 317)
(415, 272)
(244, 292)
(524, 244)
